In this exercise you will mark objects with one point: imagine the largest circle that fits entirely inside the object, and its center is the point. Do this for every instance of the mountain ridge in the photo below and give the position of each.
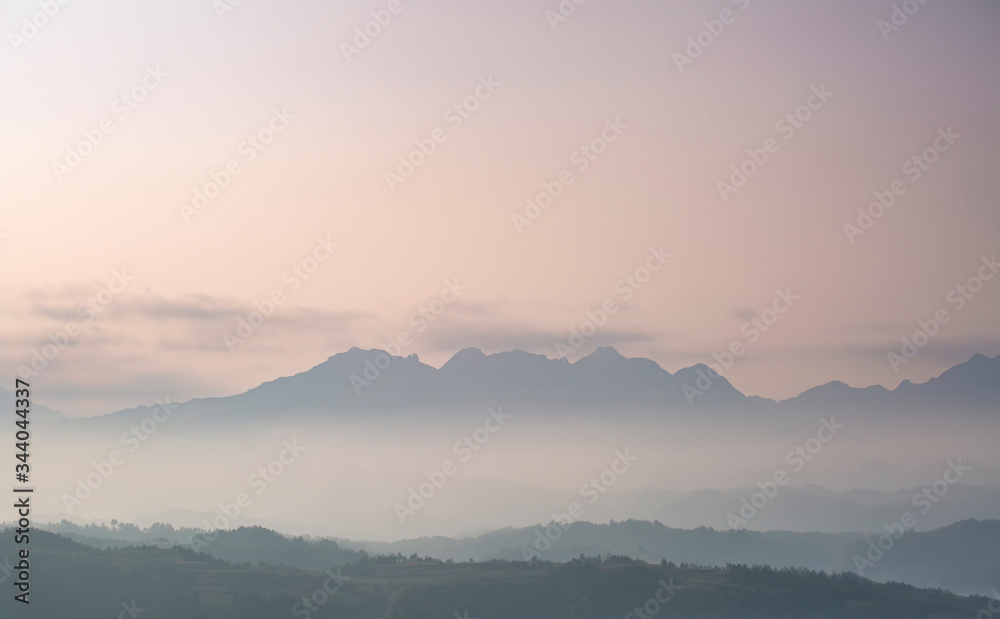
(375, 380)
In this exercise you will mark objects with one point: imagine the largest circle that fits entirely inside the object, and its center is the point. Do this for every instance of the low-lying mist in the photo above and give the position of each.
(398, 475)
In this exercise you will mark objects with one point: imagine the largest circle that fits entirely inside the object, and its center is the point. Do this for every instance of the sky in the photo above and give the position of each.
(509, 171)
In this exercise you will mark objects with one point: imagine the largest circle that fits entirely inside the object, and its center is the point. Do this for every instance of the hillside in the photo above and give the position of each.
(960, 557)
(71, 580)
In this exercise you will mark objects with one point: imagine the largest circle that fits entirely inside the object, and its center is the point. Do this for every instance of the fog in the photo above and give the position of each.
(353, 478)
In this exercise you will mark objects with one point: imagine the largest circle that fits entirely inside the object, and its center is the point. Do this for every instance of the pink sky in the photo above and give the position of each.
(529, 98)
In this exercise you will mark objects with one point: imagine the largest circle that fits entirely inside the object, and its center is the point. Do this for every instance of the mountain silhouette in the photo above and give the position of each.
(374, 380)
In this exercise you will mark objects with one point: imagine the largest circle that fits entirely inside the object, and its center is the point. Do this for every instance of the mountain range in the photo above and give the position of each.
(372, 380)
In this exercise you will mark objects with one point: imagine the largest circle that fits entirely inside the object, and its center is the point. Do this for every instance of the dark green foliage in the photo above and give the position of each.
(71, 580)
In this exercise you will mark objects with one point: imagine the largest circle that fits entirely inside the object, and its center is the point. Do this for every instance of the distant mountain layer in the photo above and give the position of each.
(37, 412)
(974, 384)
(365, 379)
(374, 380)
(961, 557)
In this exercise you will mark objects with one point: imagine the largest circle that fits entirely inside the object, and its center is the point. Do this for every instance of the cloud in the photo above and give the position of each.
(941, 348)
(504, 324)
(102, 392)
(194, 322)
(873, 328)
(497, 338)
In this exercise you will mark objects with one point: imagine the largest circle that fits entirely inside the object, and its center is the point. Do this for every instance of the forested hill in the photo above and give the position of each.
(72, 580)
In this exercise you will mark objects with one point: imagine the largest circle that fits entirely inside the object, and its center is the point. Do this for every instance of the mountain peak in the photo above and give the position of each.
(981, 360)
(466, 356)
(353, 353)
(604, 353)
